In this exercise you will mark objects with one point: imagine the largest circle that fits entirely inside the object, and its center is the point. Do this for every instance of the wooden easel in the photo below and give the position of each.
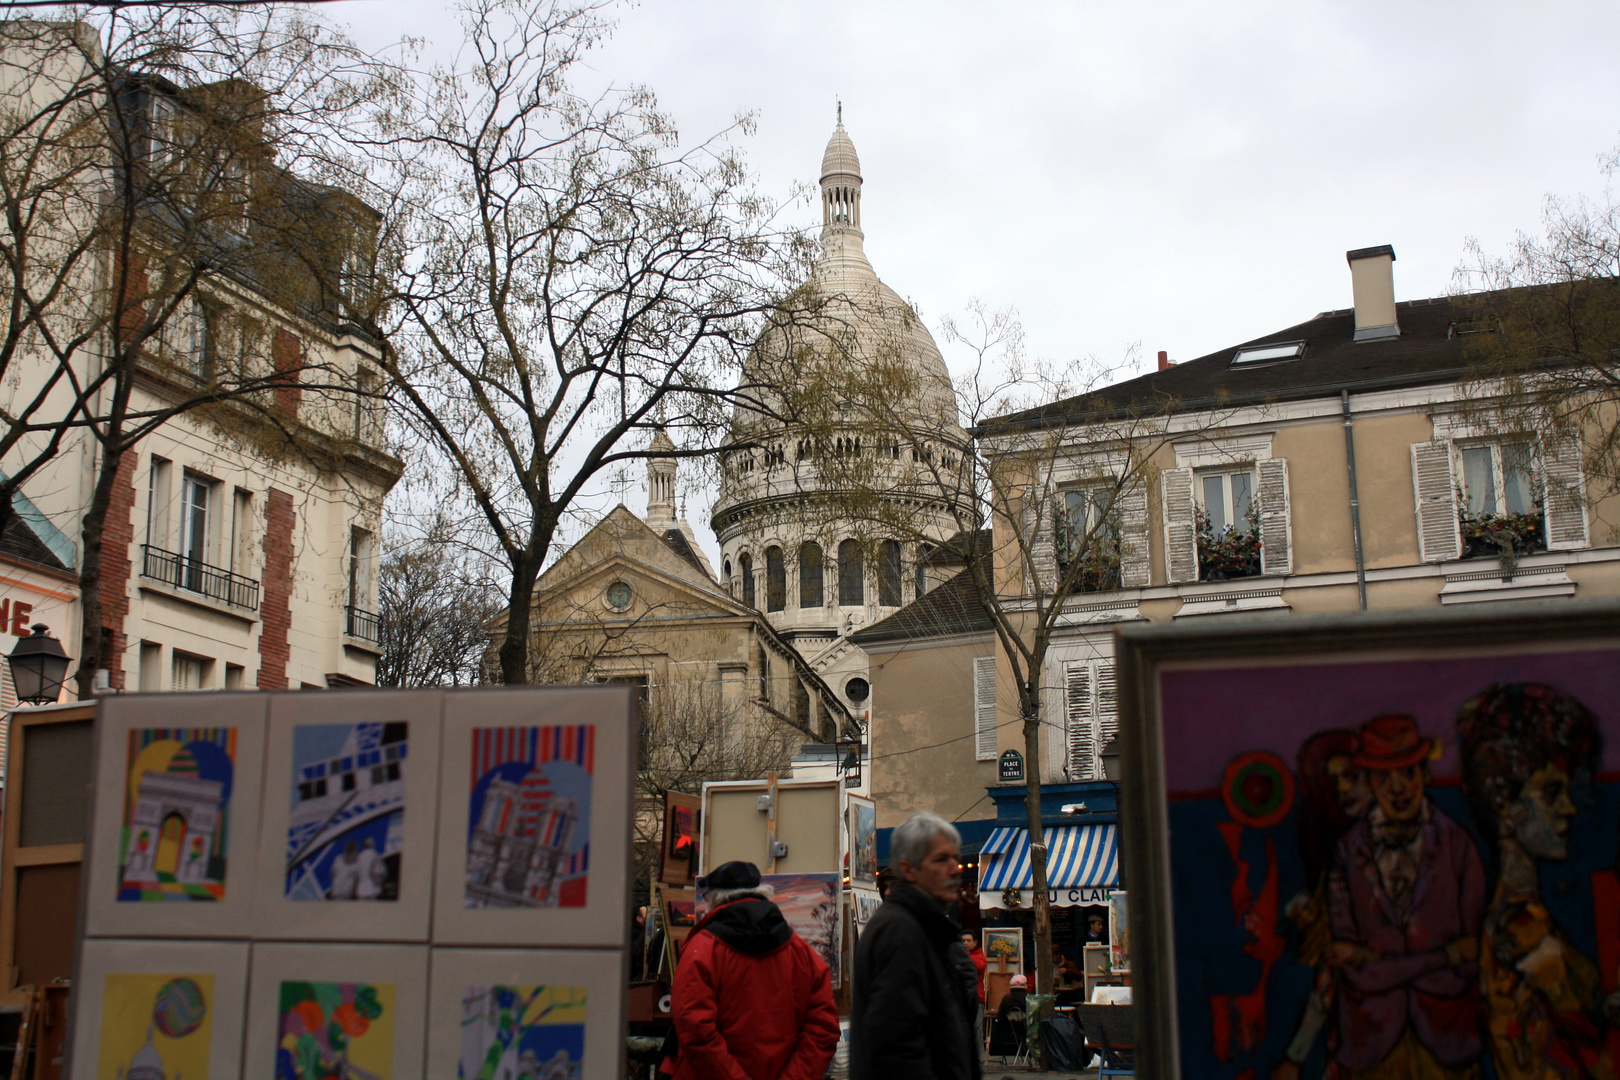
(41, 1037)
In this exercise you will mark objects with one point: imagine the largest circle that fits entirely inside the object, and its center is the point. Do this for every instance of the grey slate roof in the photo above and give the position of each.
(19, 541)
(951, 607)
(1427, 351)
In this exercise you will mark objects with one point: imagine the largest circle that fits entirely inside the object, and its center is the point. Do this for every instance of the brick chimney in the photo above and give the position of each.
(1372, 288)
(1164, 360)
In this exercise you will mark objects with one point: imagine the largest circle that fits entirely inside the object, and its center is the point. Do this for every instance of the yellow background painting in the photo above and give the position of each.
(127, 1015)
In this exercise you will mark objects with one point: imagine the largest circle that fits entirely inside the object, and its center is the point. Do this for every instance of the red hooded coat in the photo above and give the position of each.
(752, 1001)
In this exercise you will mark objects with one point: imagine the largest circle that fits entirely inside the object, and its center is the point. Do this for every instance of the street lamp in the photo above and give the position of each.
(1110, 760)
(38, 667)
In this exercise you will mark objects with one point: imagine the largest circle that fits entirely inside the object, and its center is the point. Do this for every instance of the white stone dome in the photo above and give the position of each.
(840, 158)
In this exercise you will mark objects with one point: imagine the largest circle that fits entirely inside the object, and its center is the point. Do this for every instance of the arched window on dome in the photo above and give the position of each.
(923, 553)
(731, 584)
(745, 566)
(851, 574)
(889, 573)
(811, 594)
(775, 580)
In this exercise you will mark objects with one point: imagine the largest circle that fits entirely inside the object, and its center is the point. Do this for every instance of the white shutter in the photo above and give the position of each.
(1565, 487)
(1276, 551)
(1078, 719)
(1180, 541)
(1107, 706)
(1435, 488)
(984, 708)
(1040, 535)
(1131, 509)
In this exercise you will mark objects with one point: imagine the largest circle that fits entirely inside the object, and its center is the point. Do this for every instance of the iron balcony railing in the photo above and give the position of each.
(194, 575)
(362, 624)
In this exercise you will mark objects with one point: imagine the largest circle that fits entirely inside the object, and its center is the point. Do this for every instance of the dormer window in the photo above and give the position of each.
(1268, 354)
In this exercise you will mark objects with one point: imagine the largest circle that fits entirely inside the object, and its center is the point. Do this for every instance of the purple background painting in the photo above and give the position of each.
(1211, 716)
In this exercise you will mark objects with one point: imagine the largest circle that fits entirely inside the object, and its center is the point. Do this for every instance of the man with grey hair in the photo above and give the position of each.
(915, 998)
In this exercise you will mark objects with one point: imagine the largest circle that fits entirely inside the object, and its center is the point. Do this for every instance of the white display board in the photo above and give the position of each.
(324, 855)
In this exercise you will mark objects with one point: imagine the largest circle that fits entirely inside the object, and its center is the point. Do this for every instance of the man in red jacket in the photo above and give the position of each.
(752, 1001)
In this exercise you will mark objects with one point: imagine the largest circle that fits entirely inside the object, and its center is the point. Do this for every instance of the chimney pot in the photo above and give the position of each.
(1164, 359)
(1372, 288)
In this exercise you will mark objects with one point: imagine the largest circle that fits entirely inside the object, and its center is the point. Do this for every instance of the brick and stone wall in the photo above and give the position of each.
(275, 611)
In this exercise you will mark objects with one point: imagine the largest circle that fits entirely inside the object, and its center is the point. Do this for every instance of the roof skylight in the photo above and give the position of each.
(1267, 354)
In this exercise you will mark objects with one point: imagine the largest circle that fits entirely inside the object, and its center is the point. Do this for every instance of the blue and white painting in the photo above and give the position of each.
(347, 824)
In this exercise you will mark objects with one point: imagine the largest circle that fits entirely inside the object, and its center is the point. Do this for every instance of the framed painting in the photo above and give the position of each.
(1375, 844)
(810, 904)
(535, 789)
(677, 860)
(175, 815)
(159, 1008)
(347, 842)
(1004, 948)
(325, 1010)
(526, 1012)
(862, 824)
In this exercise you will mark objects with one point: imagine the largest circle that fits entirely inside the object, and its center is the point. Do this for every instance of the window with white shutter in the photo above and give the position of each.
(1435, 487)
(1180, 539)
(1276, 550)
(1091, 715)
(1038, 534)
(984, 708)
(1566, 494)
(1134, 568)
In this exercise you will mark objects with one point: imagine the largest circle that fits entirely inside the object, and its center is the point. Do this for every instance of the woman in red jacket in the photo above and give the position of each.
(751, 1001)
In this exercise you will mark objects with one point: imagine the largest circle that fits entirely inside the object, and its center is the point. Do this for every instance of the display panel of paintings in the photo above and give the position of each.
(349, 818)
(326, 1010)
(678, 910)
(523, 1013)
(862, 824)
(534, 817)
(677, 861)
(159, 1008)
(1451, 781)
(863, 904)
(175, 818)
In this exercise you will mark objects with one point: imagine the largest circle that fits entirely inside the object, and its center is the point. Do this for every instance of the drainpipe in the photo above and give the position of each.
(1355, 501)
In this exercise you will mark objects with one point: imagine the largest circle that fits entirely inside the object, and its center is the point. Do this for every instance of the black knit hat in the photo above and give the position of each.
(731, 875)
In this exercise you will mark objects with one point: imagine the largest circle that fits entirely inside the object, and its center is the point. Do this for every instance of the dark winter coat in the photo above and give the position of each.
(915, 997)
(751, 1000)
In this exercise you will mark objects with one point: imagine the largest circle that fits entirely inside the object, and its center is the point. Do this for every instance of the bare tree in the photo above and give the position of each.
(565, 277)
(1544, 329)
(150, 166)
(1046, 495)
(435, 605)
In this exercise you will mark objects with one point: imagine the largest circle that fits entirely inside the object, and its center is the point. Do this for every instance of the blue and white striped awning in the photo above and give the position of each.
(1077, 857)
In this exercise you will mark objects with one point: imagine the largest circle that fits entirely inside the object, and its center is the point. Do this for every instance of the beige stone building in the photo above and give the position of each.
(241, 546)
(1333, 465)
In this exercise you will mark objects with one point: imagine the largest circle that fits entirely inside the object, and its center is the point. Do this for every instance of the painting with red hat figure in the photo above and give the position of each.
(1396, 868)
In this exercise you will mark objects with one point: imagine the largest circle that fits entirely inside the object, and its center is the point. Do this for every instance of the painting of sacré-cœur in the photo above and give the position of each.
(529, 813)
(1397, 868)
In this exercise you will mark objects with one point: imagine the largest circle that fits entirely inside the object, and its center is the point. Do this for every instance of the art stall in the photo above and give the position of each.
(814, 843)
(295, 886)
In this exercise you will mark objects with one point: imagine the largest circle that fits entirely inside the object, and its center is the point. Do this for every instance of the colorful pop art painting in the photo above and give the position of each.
(528, 828)
(156, 1025)
(1396, 867)
(335, 1031)
(177, 801)
(346, 827)
(522, 1031)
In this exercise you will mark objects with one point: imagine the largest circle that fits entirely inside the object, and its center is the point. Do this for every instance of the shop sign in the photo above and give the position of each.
(1012, 766)
(1013, 898)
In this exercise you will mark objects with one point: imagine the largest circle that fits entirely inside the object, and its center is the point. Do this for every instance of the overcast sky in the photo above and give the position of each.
(1182, 175)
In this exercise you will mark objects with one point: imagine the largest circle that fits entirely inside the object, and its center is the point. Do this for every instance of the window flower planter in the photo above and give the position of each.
(1504, 536)
(1232, 554)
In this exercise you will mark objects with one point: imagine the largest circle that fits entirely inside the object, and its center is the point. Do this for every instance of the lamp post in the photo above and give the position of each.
(39, 667)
